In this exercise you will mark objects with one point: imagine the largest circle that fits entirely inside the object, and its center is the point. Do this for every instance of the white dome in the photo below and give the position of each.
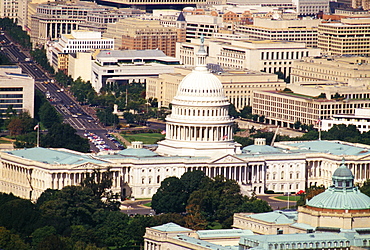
(200, 85)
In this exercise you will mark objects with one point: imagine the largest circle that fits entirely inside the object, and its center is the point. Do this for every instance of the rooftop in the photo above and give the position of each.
(54, 156)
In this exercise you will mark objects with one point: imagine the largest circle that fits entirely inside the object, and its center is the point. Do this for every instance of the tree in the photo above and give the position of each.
(64, 136)
(10, 241)
(297, 125)
(246, 112)
(170, 196)
(322, 95)
(15, 126)
(365, 188)
(232, 111)
(193, 180)
(100, 184)
(48, 115)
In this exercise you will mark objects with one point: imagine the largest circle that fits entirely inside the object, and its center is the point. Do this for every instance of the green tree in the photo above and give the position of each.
(193, 180)
(64, 136)
(365, 187)
(246, 112)
(297, 125)
(19, 215)
(10, 241)
(170, 196)
(232, 111)
(100, 183)
(48, 115)
(41, 233)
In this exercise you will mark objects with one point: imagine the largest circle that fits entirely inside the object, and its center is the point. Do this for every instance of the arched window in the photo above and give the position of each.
(158, 179)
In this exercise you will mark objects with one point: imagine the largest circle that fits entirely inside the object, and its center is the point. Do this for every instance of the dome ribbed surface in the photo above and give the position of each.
(333, 199)
(200, 85)
(342, 171)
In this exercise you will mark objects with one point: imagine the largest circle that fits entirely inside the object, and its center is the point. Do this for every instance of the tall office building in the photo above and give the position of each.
(349, 37)
(138, 34)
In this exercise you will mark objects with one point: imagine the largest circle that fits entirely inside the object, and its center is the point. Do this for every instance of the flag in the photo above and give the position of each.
(318, 121)
(163, 132)
(224, 137)
(36, 127)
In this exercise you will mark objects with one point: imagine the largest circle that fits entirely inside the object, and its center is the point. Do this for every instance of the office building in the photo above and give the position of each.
(298, 30)
(125, 66)
(77, 41)
(360, 119)
(311, 7)
(246, 54)
(9, 9)
(48, 21)
(350, 36)
(79, 65)
(138, 34)
(309, 102)
(17, 90)
(352, 69)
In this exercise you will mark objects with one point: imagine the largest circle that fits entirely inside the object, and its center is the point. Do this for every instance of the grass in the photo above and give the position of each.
(146, 138)
(291, 198)
(149, 204)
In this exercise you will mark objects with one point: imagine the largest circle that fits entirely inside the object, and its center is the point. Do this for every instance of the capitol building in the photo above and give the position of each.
(199, 136)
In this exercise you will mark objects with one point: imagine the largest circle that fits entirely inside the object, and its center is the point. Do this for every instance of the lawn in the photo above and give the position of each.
(148, 204)
(146, 138)
(291, 198)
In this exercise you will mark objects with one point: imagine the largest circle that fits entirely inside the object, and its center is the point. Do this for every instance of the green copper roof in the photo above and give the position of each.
(343, 172)
(53, 156)
(277, 217)
(333, 198)
(222, 233)
(260, 149)
(137, 152)
(331, 147)
(171, 227)
(342, 195)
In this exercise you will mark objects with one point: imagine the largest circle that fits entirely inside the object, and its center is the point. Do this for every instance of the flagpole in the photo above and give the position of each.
(38, 134)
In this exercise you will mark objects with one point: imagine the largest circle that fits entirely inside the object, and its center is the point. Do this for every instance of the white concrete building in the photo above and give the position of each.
(258, 55)
(311, 7)
(79, 65)
(9, 9)
(77, 41)
(16, 89)
(125, 66)
(300, 30)
(361, 119)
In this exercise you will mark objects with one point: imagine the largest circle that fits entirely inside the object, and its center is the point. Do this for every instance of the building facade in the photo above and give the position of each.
(48, 21)
(125, 66)
(349, 37)
(138, 34)
(17, 90)
(243, 54)
(298, 30)
(354, 69)
(77, 41)
(360, 119)
(284, 108)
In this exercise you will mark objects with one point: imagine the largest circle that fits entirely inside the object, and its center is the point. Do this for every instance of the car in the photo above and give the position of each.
(74, 115)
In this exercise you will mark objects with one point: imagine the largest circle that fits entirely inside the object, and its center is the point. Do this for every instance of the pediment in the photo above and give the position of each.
(228, 159)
